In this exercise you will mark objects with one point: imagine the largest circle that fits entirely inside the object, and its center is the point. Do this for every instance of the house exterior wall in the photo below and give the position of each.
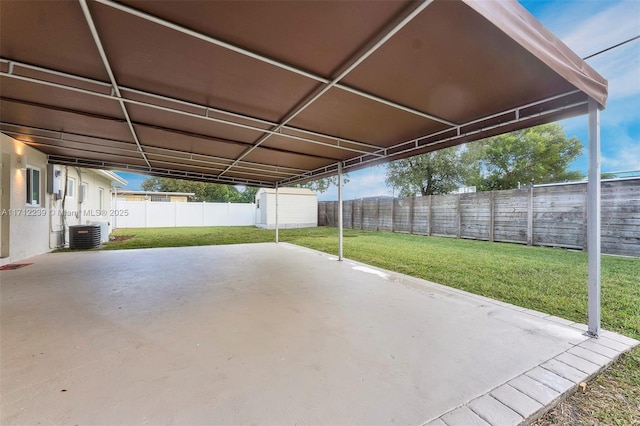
(131, 197)
(30, 229)
(84, 207)
(25, 228)
(297, 208)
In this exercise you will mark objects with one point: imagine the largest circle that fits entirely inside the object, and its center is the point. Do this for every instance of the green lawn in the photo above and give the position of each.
(191, 236)
(545, 279)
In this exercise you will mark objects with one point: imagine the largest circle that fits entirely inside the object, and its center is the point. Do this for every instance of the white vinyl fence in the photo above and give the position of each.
(154, 214)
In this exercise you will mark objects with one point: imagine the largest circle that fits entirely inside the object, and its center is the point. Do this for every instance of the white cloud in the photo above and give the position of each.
(588, 34)
(368, 177)
(622, 161)
(369, 182)
(588, 27)
(621, 67)
(620, 151)
(364, 183)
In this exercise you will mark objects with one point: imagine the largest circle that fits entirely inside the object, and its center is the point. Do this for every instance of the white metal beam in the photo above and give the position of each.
(156, 171)
(159, 161)
(412, 145)
(339, 144)
(354, 63)
(361, 161)
(170, 153)
(593, 219)
(105, 61)
(340, 224)
(273, 62)
(277, 214)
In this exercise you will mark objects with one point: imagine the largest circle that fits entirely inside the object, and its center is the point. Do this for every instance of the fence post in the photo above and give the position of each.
(393, 209)
(377, 213)
(530, 238)
(491, 215)
(353, 205)
(411, 213)
(459, 217)
(327, 220)
(429, 214)
(361, 214)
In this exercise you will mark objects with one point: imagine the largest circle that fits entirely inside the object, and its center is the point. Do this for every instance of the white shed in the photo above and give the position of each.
(297, 208)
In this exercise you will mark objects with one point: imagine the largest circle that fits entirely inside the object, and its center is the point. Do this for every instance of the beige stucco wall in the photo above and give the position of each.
(93, 207)
(133, 197)
(178, 198)
(27, 231)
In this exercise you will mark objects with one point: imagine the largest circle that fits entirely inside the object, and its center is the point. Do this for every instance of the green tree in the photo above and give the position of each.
(437, 172)
(539, 154)
(247, 195)
(211, 192)
(322, 185)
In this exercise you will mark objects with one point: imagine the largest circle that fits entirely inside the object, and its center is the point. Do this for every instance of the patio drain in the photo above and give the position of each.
(13, 266)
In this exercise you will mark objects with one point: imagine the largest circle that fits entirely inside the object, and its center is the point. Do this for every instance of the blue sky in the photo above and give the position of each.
(586, 26)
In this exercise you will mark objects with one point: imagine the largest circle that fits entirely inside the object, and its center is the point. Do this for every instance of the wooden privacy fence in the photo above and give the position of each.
(546, 215)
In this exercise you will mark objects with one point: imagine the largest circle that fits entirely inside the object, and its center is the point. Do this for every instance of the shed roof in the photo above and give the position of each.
(133, 192)
(114, 178)
(287, 191)
(268, 92)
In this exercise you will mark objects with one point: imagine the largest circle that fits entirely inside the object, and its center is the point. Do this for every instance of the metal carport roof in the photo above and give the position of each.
(271, 93)
(266, 93)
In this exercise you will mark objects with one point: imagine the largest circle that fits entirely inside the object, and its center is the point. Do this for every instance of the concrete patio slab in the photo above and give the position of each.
(270, 333)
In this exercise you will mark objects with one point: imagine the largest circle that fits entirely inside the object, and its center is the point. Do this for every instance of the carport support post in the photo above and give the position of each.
(340, 211)
(593, 219)
(277, 214)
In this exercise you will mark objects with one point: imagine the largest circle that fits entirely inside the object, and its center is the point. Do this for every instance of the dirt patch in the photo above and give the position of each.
(613, 398)
(121, 238)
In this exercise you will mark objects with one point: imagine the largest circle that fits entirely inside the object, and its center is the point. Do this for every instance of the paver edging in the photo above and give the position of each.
(562, 396)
